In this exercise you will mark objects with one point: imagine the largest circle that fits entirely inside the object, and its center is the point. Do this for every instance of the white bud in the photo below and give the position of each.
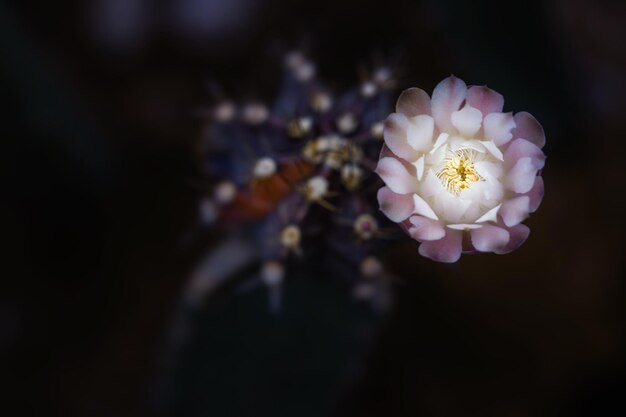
(371, 267)
(334, 143)
(299, 127)
(346, 123)
(305, 72)
(334, 160)
(368, 89)
(316, 188)
(351, 176)
(306, 123)
(272, 273)
(365, 226)
(321, 102)
(224, 112)
(225, 192)
(264, 168)
(377, 130)
(311, 152)
(255, 113)
(382, 75)
(290, 237)
(301, 68)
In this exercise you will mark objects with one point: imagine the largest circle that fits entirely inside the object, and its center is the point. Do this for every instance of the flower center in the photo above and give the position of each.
(458, 171)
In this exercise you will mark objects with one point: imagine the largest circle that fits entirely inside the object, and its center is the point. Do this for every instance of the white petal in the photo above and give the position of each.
(395, 176)
(447, 98)
(493, 149)
(464, 226)
(489, 238)
(420, 132)
(441, 139)
(395, 134)
(436, 157)
(490, 216)
(491, 170)
(397, 207)
(515, 210)
(457, 142)
(454, 208)
(431, 185)
(498, 127)
(421, 207)
(426, 229)
(467, 120)
(419, 167)
(522, 176)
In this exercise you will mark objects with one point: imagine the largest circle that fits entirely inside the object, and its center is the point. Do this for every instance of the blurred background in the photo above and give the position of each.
(99, 101)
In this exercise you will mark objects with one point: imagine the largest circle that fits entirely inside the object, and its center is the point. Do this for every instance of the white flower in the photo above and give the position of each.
(460, 175)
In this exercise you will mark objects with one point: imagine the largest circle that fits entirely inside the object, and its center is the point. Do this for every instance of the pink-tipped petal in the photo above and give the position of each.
(527, 127)
(535, 194)
(420, 132)
(448, 249)
(489, 238)
(397, 207)
(521, 148)
(467, 120)
(521, 177)
(518, 235)
(413, 102)
(514, 211)
(485, 99)
(395, 134)
(498, 127)
(395, 175)
(425, 229)
(448, 96)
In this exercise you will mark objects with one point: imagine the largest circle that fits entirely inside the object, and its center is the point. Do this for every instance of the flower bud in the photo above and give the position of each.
(290, 237)
(272, 273)
(365, 226)
(225, 192)
(255, 114)
(264, 168)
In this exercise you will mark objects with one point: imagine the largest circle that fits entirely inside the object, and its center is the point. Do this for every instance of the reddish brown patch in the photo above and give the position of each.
(262, 196)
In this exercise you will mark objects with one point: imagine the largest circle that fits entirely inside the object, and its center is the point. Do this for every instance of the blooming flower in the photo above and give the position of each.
(460, 174)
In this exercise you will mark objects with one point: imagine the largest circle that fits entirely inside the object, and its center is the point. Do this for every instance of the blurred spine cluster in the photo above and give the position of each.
(293, 182)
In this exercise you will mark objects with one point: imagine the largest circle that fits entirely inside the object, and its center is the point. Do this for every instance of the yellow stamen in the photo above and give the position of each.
(458, 172)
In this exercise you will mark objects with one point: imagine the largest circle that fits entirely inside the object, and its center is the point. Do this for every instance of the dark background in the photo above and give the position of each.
(98, 127)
